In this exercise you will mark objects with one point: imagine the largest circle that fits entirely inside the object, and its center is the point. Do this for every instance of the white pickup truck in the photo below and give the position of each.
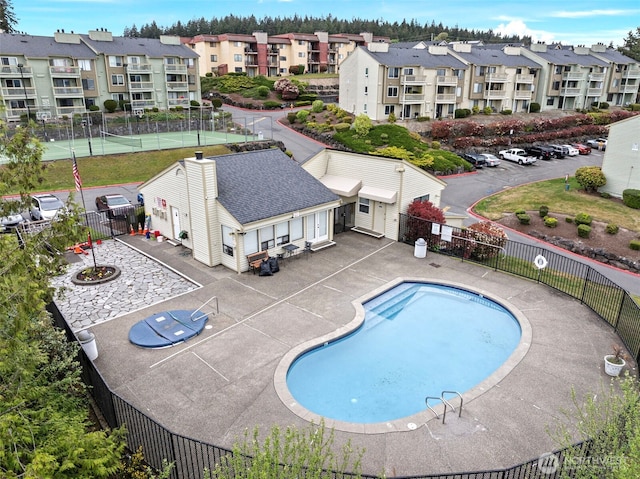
(518, 155)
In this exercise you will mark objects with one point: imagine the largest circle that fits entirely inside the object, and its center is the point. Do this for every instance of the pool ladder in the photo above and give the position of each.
(446, 404)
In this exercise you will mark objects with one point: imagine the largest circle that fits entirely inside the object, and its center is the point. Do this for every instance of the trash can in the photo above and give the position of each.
(88, 342)
(420, 250)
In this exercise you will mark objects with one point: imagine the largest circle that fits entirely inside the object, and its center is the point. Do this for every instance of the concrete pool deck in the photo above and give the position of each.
(215, 386)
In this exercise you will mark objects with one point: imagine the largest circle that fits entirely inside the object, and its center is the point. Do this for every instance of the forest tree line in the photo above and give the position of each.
(403, 31)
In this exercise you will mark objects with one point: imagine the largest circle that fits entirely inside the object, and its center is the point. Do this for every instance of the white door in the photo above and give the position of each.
(379, 216)
(318, 226)
(175, 214)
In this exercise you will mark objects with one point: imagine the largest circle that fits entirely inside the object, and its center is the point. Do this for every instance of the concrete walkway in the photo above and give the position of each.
(220, 383)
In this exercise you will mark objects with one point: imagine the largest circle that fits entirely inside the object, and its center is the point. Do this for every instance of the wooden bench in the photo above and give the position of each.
(255, 259)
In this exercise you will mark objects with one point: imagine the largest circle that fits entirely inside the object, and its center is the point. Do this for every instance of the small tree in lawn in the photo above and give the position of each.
(421, 215)
(590, 178)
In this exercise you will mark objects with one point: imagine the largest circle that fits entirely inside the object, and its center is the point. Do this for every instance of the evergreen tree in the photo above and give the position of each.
(631, 47)
(7, 18)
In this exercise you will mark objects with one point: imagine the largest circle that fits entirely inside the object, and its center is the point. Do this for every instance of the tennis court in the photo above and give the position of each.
(96, 135)
(110, 144)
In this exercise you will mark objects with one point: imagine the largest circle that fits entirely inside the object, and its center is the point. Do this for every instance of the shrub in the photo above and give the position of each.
(487, 110)
(584, 231)
(392, 118)
(569, 219)
(263, 91)
(291, 117)
(490, 239)
(475, 110)
(634, 107)
(631, 198)
(462, 112)
(317, 106)
(342, 127)
(543, 211)
(272, 104)
(110, 105)
(520, 211)
(524, 219)
(506, 112)
(590, 178)
(612, 228)
(605, 195)
(302, 116)
(583, 219)
(362, 125)
(550, 222)
(94, 108)
(534, 107)
(635, 245)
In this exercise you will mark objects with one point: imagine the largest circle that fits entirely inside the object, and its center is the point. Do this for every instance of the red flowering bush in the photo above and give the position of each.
(421, 215)
(488, 239)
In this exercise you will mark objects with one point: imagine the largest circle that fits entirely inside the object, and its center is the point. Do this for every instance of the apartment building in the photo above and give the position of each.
(51, 77)
(273, 55)
(434, 79)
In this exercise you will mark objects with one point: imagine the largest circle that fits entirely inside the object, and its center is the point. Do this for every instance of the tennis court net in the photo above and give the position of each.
(132, 141)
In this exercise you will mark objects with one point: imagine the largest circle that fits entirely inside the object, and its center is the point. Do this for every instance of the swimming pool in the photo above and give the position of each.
(417, 339)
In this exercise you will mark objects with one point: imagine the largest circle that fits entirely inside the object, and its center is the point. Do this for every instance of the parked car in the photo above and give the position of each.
(518, 155)
(582, 149)
(559, 151)
(45, 207)
(571, 150)
(490, 159)
(599, 143)
(116, 205)
(541, 152)
(475, 159)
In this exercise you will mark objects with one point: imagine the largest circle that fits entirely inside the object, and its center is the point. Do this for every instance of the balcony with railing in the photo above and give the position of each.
(15, 71)
(496, 77)
(177, 85)
(142, 104)
(63, 71)
(412, 98)
(413, 79)
(141, 85)
(138, 67)
(522, 94)
(175, 68)
(570, 92)
(495, 94)
(70, 110)
(629, 88)
(573, 76)
(68, 91)
(525, 78)
(184, 102)
(446, 98)
(596, 76)
(446, 80)
(631, 73)
(18, 92)
(594, 91)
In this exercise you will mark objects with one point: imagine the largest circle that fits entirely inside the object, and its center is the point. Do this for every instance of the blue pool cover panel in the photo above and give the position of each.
(167, 328)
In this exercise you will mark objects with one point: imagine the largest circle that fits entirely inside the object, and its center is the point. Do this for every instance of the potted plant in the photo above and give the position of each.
(613, 363)
(183, 235)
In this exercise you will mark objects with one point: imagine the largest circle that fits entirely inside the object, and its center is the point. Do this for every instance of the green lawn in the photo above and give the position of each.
(552, 193)
(116, 169)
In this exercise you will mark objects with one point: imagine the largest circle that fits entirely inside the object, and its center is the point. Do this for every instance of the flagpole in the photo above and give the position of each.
(78, 181)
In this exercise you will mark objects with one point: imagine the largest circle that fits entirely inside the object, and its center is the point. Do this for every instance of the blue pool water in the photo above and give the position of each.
(417, 340)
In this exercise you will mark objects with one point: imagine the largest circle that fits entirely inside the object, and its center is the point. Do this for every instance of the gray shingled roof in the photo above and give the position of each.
(261, 184)
(492, 56)
(616, 57)
(400, 57)
(569, 57)
(151, 47)
(41, 47)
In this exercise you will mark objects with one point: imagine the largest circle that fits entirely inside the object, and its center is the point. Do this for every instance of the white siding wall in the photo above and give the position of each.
(169, 189)
(621, 163)
(379, 172)
(353, 81)
(202, 206)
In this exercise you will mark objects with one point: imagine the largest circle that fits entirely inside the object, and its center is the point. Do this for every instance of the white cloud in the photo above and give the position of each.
(518, 27)
(591, 13)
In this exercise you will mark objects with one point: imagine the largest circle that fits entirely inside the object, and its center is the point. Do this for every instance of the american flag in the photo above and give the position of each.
(76, 174)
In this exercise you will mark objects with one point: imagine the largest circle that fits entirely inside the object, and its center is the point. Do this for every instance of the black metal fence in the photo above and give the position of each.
(116, 222)
(561, 272)
(192, 457)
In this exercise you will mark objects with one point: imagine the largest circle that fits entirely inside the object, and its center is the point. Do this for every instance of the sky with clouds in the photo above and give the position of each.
(569, 22)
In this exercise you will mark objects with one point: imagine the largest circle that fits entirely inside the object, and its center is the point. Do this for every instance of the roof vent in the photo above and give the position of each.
(198, 155)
